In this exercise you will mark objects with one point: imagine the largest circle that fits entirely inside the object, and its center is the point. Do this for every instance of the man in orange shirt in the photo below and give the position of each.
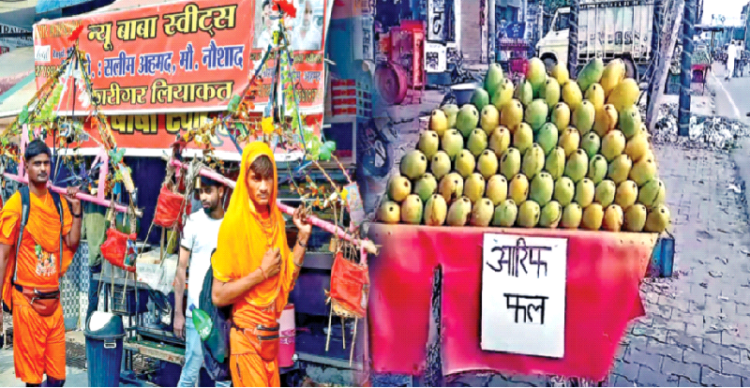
(255, 270)
(32, 266)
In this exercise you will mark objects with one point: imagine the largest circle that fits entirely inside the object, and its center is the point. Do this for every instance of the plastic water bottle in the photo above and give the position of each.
(202, 322)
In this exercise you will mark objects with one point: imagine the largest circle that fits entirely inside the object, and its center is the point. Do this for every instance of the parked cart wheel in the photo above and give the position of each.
(391, 81)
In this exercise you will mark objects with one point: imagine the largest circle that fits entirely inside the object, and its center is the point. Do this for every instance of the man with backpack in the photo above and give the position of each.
(254, 270)
(198, 242)
(39, 235)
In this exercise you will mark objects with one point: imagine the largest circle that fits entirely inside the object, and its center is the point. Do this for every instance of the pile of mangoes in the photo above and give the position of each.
(549, 152)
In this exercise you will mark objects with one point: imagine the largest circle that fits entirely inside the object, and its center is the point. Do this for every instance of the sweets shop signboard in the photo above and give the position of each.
(182, 57)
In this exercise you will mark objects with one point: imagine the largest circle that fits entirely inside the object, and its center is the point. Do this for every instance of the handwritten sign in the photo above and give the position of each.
(523, 295)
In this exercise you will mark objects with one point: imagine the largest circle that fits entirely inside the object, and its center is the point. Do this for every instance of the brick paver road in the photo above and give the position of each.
(697, 328)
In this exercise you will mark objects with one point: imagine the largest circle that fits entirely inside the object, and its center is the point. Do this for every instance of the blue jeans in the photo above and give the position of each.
(93, 290)
(193, 358)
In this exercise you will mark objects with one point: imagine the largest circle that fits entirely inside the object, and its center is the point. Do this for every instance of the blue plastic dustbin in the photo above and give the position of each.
(104, 335)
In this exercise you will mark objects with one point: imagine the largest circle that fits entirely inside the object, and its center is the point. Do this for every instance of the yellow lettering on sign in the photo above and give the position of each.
(103, 34)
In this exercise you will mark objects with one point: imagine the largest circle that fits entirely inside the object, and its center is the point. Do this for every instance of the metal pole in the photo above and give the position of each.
(688, 22)
(656, 32)
(573, 41)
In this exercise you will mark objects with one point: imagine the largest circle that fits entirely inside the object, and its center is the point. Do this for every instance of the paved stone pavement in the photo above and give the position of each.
(76, 376)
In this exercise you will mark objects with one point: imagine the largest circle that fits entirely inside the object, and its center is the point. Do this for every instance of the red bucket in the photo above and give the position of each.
(287, 331)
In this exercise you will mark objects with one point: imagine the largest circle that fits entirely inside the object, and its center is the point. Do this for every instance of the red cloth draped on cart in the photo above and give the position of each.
(603, 277)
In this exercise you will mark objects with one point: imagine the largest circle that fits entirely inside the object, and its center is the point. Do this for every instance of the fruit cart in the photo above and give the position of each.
(528, 235)
(513, 56)
(700, 67)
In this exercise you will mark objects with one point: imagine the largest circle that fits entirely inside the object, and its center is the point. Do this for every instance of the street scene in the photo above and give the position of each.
(695, 328)
(375, 193)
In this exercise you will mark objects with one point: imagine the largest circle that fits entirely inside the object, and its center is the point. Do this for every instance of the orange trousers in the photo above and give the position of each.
(38, 342)
(249, 370)
(247, 367)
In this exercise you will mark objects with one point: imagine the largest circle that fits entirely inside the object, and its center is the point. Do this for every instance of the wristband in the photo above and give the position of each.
(301, 244)
(263, 273)
(79, 215)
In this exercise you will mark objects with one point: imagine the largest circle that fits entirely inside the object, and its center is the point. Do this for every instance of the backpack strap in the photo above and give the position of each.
(25, 206)
(58, 206)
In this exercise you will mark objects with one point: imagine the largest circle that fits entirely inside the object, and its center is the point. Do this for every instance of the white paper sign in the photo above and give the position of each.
(435, 57)
(523, 294)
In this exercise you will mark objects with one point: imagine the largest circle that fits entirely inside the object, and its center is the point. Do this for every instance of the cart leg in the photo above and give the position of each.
(328, 337)
(354, 338)
(161, 243)
(343, 331)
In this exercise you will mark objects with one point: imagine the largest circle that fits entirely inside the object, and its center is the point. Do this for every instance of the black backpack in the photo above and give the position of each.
(217, 343)
(25, 207)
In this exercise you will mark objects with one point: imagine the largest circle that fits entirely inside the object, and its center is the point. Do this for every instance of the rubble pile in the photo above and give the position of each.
(705, 132)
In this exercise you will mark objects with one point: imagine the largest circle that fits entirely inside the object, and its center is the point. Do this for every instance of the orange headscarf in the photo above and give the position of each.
(245, 236)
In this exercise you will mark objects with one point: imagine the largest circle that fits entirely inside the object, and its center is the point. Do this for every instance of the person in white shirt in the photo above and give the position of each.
(266, 36)
(731, 55)
(307, 36)
(199, 239)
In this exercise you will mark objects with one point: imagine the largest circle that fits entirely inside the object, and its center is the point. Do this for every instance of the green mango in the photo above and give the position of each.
(583, 117)
(565, 190)
(529, 214)
(652, 194)
(505, 214)
(550, 93)
(452, 143)
(474, 187)
(551, 215)
(591, 144)
(597, 169)
(412, 209)
(585, 191)
(413, 164)
(533, 161)
(440, 164)
(524, 93)
(591, 73)
(480, 99)
(555, 164)
(487, 164)
(477, 142)
(577, 166)
(467, 119)
(451, 112)
(572, 215)
(547, 137)
(536, 73)
(482, 213)
(459, 212)
(630, 121)
(503, 95)
(542, 187)
(510, 163)
(465, 163)
(429, 143)
(494, 78)
(389, 212)
(536, 114)
(399, 187)
(425, 186)
(605, 193)
(435, 210)
(497, 189)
